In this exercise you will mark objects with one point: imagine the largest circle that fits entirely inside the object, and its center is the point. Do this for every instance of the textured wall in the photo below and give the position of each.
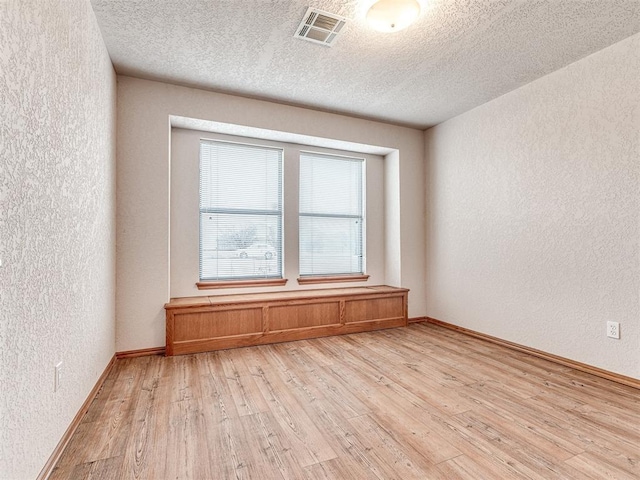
(143, 267)
(57, 222)
(533, 213)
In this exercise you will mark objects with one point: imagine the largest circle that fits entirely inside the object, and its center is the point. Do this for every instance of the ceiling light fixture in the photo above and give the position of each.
(393, 15)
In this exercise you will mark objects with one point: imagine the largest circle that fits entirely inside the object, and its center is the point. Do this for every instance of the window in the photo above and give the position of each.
(240, 211)
(331, 215)
(244, 215)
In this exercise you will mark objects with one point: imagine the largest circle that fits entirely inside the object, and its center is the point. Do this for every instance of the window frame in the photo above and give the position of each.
(333, 277)
(242, 281)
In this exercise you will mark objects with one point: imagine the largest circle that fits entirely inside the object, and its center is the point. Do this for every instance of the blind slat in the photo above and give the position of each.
(331, 215)
(240, 211)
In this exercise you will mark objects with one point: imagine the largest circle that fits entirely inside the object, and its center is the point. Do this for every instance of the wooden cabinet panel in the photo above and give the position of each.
(305, 315)
(192, 326)
(377, 308)
(199, 324)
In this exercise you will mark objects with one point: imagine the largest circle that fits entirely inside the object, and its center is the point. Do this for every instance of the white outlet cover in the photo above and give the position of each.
(613, 330)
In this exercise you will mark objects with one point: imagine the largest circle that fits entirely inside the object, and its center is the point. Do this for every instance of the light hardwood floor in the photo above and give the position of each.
(419, 402)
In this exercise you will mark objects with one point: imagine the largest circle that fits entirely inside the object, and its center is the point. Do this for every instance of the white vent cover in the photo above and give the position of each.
(320, 27)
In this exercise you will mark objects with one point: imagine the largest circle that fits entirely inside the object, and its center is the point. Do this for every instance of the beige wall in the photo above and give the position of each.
(533, 213)
(143, 190)
(184, 231)
(57, 222)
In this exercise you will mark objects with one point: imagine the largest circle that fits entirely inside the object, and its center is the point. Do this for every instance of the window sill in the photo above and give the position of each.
(333, 279)
(267, 282)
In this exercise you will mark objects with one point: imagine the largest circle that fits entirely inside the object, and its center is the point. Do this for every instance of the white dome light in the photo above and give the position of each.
(393, 15)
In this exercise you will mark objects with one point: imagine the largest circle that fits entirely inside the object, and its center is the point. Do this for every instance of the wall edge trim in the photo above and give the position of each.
(48, 468)
(417, 319)
(142, 352)
(583, 367)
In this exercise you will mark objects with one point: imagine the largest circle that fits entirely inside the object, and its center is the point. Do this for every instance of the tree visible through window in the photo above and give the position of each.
(331, 215)
(240, 211)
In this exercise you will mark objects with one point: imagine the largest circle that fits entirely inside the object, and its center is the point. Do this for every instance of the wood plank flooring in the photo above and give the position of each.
(421, 402)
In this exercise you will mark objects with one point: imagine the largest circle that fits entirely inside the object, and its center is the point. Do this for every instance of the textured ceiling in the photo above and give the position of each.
(458, 55)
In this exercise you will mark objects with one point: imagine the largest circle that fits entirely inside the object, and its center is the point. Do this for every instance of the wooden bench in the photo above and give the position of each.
(200, 324)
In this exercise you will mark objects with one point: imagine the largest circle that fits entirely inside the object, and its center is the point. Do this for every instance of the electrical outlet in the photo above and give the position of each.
(613, 330)
(58, 377)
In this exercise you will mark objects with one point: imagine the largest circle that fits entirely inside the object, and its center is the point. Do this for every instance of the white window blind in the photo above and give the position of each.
(240, 211)
(331, 215)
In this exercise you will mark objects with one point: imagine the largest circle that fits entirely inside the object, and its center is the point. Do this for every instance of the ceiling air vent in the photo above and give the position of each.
(320, 27)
